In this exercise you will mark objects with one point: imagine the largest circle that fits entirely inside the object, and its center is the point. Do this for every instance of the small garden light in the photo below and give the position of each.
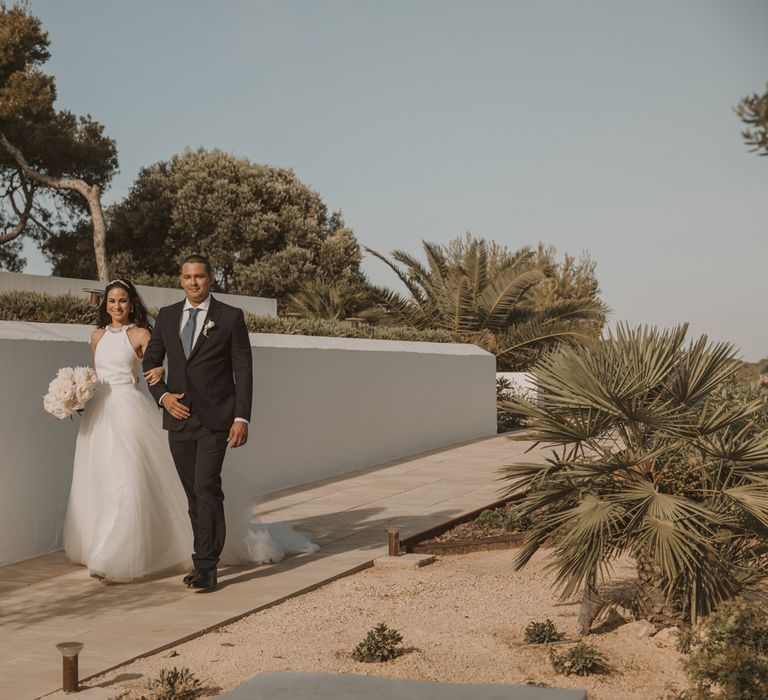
(394, 541)
(69, 652)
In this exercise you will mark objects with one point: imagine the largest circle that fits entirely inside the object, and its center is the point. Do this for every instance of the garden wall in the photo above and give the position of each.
(322, 407)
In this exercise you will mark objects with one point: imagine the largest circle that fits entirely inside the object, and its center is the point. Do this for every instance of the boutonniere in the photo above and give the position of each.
(208, 325)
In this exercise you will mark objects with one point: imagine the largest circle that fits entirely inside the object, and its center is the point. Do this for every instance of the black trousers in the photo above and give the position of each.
(199, 455)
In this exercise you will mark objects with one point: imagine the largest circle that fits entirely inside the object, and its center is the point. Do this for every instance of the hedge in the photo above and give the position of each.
(343, 329)
(45, 308)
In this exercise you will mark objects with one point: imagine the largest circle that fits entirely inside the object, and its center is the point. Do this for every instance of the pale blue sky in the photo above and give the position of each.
(601, 125)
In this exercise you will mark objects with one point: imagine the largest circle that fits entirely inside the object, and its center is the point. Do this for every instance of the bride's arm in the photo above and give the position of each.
(139, 338)
(95, 338)
(154, 354)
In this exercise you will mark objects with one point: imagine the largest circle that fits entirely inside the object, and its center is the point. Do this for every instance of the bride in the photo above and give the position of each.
(127, 512)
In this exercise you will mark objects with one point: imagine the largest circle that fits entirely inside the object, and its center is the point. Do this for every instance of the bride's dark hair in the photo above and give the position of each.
(138, 313)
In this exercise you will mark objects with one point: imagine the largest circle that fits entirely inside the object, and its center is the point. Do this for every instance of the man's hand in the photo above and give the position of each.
(177, 409)
(238, 434)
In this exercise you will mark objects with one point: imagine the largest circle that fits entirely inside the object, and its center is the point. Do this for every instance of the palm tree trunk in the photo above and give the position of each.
(652, 601)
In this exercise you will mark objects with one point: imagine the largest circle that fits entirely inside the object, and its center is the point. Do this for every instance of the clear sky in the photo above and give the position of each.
(597, 125)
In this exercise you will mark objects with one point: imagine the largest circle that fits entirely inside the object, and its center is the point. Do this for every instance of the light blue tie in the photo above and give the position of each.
(188, 333)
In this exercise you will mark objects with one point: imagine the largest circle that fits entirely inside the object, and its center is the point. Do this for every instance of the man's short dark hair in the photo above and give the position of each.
(195, 258)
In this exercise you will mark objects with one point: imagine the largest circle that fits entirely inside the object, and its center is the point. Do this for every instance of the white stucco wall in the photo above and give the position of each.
(152, 296)
(322, 406)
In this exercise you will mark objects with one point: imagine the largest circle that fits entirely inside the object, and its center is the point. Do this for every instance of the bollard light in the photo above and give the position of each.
(69, 652)
(394, 541)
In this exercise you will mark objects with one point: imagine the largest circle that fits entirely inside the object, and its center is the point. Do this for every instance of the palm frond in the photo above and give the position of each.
(751, 498)
(456, 306)
(475, 265)
(744, 447)
(416, 292)
(586, 540)
(502, 294)
(436, 260)
(401, 310)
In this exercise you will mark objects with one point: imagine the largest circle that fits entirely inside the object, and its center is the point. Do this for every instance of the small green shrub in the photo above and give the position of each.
(542, 632)
(176, 684)
(45, 308)
(380, 644)
(728, 657)
(580, 660)
(685, 638)
(508, 518)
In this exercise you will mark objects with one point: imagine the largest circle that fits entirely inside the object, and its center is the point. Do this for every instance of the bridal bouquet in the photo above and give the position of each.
(69, 390)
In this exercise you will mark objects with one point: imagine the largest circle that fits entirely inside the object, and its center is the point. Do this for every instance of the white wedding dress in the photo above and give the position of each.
(127, 514)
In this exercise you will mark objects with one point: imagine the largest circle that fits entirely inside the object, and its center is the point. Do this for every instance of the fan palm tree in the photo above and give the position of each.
(485, 298)
(646, 460)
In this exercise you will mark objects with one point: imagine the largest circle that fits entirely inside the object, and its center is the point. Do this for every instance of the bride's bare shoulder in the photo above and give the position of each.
(142, 335)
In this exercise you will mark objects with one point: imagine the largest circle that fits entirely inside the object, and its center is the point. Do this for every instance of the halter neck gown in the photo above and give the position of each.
(127, 513)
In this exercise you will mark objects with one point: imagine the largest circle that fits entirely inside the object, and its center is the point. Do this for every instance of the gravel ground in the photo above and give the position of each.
(462, 619)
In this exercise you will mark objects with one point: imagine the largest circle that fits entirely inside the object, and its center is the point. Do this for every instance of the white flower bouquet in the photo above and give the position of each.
(69, 391)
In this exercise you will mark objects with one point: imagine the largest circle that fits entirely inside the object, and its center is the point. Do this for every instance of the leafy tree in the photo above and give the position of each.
(53, 164)
(753, 111)
(264, 231)
(488, 294)
(648, 458)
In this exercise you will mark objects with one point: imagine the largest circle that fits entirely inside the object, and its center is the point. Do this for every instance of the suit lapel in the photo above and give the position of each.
(175, 319)
(212, 315)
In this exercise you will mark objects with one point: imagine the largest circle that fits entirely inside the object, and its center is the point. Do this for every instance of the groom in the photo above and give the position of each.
(206, 402)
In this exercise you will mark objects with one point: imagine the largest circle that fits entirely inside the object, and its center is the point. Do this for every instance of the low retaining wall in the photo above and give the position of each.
(322, 407)
(152, 296)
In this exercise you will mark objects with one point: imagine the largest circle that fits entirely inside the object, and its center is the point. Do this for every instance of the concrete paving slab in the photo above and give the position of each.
(281, 685)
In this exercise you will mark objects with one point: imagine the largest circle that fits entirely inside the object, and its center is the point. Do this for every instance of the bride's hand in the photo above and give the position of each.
(153, 376)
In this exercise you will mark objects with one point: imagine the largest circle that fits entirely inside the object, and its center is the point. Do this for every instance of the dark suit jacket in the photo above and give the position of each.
(217, 379)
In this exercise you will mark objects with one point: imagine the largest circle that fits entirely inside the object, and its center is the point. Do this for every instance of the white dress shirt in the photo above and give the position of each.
(199, 323)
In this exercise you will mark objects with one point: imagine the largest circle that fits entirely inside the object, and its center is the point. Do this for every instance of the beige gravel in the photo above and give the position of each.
(462, 619)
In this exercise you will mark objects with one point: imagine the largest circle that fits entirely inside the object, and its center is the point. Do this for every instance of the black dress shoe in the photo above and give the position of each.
(203, 579)
(188, 578)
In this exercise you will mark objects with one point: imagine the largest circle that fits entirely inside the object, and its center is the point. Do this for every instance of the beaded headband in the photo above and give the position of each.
(125, 285)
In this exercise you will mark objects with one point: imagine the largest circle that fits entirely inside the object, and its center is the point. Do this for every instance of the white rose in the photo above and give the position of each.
(55, 407)
(61, 389)
(66, 373)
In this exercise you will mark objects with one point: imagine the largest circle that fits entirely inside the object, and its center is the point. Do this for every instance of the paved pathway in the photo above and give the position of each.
(47, 600)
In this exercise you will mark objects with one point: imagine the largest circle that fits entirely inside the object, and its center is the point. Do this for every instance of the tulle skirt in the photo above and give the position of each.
(127, 513)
